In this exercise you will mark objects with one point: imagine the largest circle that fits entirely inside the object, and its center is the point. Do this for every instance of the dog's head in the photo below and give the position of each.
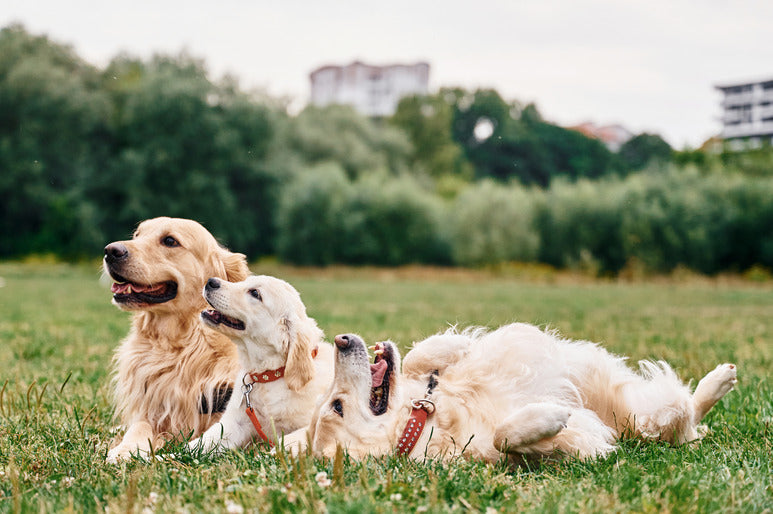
(358, 412)
(165, 265)
(266, 318)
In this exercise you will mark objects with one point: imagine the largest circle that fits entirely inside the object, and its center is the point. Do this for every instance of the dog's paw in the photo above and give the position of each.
(554, 418)
(117, 455)
(713, 387)
(717, 383)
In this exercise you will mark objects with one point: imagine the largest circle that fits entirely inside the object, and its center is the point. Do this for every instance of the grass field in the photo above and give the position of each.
(58, 331)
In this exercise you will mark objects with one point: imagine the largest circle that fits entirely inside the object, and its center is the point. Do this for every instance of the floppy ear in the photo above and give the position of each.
(235, 264)
(228, 265)
(300, 336)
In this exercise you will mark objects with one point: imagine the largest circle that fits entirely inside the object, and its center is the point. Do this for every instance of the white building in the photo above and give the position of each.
(748, 111)
(371, 90)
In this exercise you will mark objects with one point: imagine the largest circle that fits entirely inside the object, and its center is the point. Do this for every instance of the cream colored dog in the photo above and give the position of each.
(517, 390)
(172, 376)
(285, 364)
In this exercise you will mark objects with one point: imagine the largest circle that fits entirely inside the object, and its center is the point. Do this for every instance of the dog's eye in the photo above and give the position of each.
(170, 242)
(255, 294)
(337, 407)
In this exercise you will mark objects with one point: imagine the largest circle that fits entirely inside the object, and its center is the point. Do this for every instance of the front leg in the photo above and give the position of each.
(529, 425)
(233, 431)
(138, 439)
(296, 442)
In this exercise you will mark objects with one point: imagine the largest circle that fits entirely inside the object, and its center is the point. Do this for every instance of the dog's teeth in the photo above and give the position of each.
(379, 351)
(372, 347)
(129, 289)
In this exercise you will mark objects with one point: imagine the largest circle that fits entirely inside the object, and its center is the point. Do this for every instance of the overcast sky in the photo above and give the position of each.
(649, 65)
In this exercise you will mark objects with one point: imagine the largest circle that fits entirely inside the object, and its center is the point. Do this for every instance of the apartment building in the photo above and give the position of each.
(747, 118)
(371, 90)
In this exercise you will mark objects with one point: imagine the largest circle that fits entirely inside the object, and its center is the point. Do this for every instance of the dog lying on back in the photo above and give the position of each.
(173, 376)
(518, 391)
(285, 364)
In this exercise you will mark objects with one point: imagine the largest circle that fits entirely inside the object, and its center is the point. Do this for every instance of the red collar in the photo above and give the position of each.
(420, 409)
(271, 375)
(263, 377)
(414, 427)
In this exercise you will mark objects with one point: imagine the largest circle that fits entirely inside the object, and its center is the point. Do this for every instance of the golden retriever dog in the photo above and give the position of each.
(517, 391)
(172, 375)
(285, 364)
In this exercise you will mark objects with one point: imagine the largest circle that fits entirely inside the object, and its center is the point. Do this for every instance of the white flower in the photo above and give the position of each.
(231, 507)
(152, 497)
(396, 497)
(68, 481)
(322, 479)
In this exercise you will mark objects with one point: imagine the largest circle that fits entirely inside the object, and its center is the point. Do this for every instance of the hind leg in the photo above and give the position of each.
(530, 424)
(661, 407)
(712, 388)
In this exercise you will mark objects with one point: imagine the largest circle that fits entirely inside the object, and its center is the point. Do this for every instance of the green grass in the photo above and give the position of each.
(58, 331)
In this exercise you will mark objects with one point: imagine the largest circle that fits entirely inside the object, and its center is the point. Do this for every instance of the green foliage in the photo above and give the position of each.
(753, 161)
(644, 149)
(324, 218)
(337, 133)
(310, 211)
(86, 154)
(51, 126)
(492, 224)
(56, 426)
(522, 145)
(580, 225)
(707, 223)
(427, 121)
(188, 148)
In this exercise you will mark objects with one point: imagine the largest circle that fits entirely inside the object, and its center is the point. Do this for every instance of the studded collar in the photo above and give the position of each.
(420, 410)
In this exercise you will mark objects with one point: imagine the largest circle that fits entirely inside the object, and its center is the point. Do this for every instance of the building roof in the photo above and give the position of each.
(737, 83)
(358, 63)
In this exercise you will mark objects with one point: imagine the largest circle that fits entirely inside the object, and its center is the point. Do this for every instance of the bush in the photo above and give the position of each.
(705, 222)
(491, 224)
(310, 210)
(579, 225)
(324, 218)
(392, 222)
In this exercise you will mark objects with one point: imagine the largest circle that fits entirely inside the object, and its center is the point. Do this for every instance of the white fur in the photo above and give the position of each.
(277, 333)
(517, 390)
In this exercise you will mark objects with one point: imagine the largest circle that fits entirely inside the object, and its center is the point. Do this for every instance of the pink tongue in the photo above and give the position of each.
(377, 372)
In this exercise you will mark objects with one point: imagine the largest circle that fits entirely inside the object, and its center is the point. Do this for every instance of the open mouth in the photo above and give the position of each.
(127, 292)
(380, 373)
(216, 318)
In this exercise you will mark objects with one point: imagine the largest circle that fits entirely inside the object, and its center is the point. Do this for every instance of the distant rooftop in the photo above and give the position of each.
(613, 136)
(371, 89)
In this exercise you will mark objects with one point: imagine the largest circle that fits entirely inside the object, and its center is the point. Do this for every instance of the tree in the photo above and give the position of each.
(506, 141)
(337, 133)
(639, 151)
(52, 124)
(427, 121)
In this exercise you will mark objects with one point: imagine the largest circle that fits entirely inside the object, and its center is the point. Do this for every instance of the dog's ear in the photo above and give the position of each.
(229, 265)
(235, 264)
(300, 336)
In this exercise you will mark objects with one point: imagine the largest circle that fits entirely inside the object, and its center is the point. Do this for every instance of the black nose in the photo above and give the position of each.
(115, 252)
(343, 341)
(213, 283)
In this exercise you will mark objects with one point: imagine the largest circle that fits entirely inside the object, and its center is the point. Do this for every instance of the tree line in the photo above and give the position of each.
(456, 177)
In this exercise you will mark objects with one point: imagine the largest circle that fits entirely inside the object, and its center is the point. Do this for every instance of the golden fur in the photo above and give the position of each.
(170, 367)
(518, 390)
(267, 321)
